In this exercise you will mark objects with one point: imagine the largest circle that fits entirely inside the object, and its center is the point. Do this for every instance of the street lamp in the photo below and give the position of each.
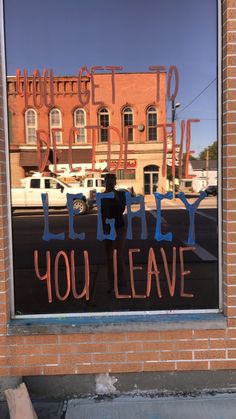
(173, 109)
(174, 106)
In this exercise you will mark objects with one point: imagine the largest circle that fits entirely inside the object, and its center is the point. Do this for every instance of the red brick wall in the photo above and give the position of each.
(144, 351)
(229, 158)
(141, 93)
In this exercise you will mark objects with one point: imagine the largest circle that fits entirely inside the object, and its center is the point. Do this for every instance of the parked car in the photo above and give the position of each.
(29, 195)
(124, 189)
(211, 190)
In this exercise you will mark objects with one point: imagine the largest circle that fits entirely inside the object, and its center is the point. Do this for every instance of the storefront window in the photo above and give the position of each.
(114, 164)
(126, 174)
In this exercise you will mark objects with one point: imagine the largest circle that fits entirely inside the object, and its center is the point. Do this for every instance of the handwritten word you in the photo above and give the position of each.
(43, 85)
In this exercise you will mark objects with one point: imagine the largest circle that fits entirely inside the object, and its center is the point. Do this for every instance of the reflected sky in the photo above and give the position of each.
(65, 35)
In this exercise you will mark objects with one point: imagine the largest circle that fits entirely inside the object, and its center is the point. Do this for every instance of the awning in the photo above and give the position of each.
(82, 155)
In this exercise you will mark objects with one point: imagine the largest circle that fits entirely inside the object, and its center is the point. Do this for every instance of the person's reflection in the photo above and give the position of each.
(114, 208)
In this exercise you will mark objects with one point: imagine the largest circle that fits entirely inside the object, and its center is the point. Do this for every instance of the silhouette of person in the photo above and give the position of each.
(47, 171)
(114, 208)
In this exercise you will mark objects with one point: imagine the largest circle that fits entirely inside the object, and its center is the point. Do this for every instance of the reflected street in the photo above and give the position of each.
(28, 230)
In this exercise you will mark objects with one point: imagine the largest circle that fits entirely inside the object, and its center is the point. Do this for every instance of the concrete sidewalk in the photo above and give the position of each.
(208, 202)
(146, 406)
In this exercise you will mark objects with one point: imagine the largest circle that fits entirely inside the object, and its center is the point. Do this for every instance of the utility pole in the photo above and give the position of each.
(173, 111)
(173, 118)
(207, 166)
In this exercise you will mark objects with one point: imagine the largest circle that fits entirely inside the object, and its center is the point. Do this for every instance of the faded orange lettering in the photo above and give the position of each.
(183, 273)
(47, 275)
(152, 270)
(64, 255)
(133, 268)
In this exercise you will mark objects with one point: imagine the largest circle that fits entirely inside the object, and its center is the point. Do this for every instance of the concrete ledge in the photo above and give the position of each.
(116, 323)
(185, 382)
(8, 382)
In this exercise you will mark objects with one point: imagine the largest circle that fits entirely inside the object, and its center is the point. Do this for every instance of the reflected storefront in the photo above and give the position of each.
(106, 119)
(151, 179)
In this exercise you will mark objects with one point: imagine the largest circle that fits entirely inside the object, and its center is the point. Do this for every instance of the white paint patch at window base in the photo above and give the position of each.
(105, 384)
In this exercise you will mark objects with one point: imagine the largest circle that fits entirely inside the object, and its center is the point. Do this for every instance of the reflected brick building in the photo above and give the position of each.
(187, 351)
(126, 108)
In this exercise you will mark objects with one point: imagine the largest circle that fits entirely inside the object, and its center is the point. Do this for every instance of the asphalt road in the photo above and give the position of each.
(28, 230)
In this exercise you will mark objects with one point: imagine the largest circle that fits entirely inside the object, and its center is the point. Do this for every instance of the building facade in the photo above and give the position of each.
(204, 174)
(198, 344)
(126, 118)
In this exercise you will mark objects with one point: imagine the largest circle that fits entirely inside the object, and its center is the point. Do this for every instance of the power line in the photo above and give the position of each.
(199, 117)
(196, 97)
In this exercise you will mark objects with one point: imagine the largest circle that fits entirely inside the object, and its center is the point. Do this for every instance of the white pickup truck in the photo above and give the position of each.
(90, 183)
(98, 184)
(29, 195)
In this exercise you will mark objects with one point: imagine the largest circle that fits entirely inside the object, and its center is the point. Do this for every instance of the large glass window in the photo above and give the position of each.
(151, 244)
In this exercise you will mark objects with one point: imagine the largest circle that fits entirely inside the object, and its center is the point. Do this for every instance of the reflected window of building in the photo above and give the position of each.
(151, 124)
(35, 183)
(103, 121)
(128, 120)
(151, 179)
(80, 122)
(31, 126)
(51, 184)
(90, 183)
(126, 174)
(55, 122)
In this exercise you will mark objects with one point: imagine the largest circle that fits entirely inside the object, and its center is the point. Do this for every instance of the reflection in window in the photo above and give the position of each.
(35, 183)
(151, 123)
(100, 182)
(80, 122)
(103, 117)
(31, 126)
(51, 184)
(128, 120)
(126, 174)
(55, 122)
